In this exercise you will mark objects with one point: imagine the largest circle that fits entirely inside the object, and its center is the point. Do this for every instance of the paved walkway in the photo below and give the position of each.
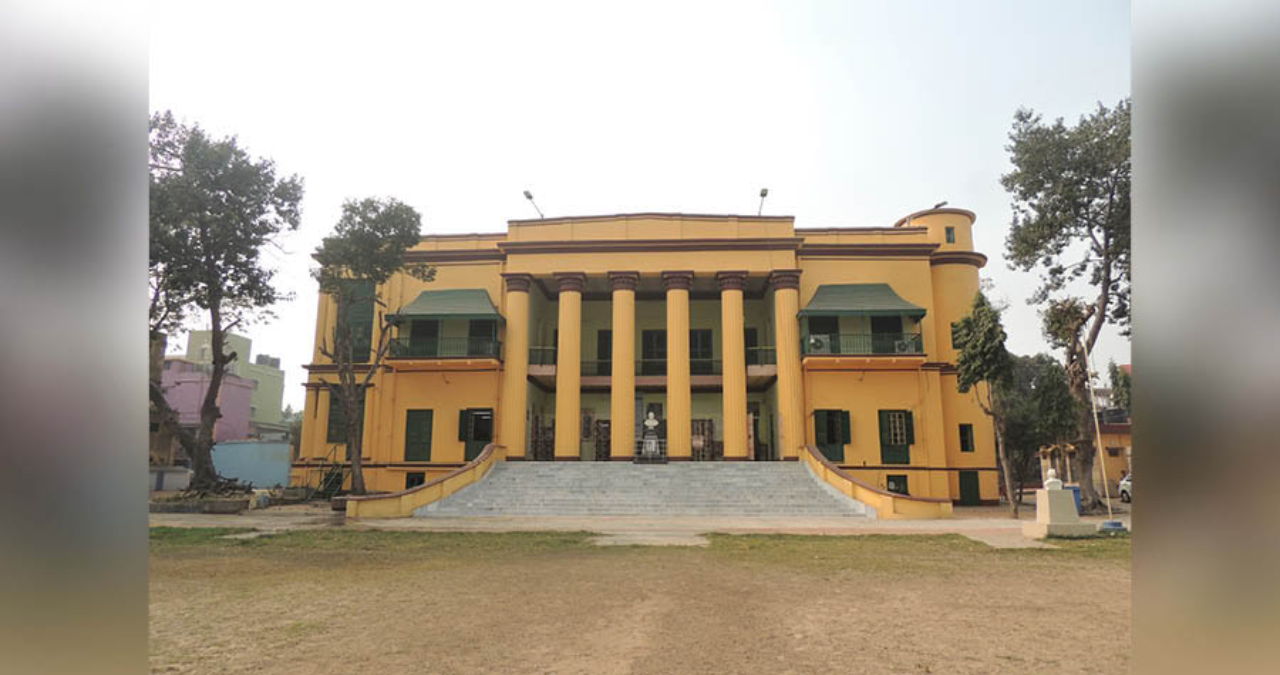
(998, 531)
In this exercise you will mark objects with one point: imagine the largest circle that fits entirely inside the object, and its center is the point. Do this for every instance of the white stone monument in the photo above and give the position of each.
(1056, 513)
(650, 447)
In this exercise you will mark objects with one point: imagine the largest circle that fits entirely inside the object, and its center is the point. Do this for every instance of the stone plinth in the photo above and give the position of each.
(1056, 514)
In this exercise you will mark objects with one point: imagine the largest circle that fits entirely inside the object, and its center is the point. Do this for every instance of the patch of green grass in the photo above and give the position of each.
(438, 542)
(1111, 546)
(889, 554)
(192, 536)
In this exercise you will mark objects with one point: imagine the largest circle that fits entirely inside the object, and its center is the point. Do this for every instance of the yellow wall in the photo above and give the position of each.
(945, 291)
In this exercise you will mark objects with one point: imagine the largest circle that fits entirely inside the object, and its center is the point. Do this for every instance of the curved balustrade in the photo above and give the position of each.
(889, 505)
(402, 504)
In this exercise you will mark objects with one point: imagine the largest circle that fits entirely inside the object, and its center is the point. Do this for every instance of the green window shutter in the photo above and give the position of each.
(336, 431)
(417, 435)
(846, 429)
(911, 427)
(463, 418)
(951, 235)
(966, 438)
(820, 427)
(884, 428)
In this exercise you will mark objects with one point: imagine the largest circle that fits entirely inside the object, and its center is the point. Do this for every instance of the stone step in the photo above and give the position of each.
(622, 488)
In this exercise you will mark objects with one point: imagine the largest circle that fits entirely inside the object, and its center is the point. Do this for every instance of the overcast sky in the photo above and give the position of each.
(852, 114)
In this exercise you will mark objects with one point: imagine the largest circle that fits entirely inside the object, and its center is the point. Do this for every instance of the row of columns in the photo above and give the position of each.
(676, 284)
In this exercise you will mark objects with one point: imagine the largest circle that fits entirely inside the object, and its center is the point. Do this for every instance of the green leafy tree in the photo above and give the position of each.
(213, 209)
(366, 248)
(293, 418)
(983, 359)
(1121, 387)
(1070, 190)
(1041, 412)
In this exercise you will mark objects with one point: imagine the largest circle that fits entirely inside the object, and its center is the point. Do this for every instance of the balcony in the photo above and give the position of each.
(705, 374)
(762, 356)
(863, 344)
(445, 348)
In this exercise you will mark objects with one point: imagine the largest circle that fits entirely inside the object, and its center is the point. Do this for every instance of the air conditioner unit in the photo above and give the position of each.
(903, 347)
(819, 344)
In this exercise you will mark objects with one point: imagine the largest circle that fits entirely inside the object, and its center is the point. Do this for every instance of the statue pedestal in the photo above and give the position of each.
(651, 451)
(1056, 516)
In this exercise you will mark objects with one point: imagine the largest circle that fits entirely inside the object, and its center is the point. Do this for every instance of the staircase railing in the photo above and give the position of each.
(886, 504)
(402, 504)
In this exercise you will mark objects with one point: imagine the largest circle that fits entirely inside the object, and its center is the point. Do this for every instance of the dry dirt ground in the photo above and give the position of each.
(353, 602)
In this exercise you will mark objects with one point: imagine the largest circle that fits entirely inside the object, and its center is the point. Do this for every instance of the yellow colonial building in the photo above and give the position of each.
(745, 337)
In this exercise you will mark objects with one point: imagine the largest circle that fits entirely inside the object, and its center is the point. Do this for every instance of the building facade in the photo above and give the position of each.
(265, 416)
(746, 337)
(185, 384)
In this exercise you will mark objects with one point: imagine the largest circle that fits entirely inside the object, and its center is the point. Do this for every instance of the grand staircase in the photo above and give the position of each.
(778, 489)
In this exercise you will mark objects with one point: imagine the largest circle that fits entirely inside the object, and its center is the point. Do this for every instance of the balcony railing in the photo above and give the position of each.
(445, 348)
(762, 356)
(651, 366)
(542, 356)
(863, 343)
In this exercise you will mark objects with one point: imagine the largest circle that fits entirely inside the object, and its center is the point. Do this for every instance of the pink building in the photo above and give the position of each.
(185, 383)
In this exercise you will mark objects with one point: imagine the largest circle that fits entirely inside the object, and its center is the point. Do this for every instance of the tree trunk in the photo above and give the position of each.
(1004, 467)
(1085, 448)
(204, 474)
(355, 442)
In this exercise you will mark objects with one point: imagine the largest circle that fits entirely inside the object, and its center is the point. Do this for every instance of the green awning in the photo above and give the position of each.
(455, 303)
(859, 300)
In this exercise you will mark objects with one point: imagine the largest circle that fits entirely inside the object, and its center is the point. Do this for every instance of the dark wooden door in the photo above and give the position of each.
(653, 352)
(828, 329)
(424, 337)
(969, 493)
(417, 435)
(831, 431)
(475, 430)
(885, 331)
(604, 352)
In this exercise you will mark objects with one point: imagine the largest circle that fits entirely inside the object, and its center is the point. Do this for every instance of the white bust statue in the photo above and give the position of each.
(1052, 482)
(650, 422)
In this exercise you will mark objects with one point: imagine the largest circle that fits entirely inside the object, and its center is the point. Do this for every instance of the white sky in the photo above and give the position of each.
(852, 114)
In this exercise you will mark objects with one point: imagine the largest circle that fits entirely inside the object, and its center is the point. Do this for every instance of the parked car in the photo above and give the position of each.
(1126, 489)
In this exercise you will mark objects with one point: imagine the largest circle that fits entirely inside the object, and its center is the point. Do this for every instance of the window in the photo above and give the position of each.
(424, 337)
(700, 352)
(951, 235)
(337, 428)
(1113, 452)
(751, 341)
(831, 432)
(482, 337)
(827, 332)
(417, 435)
(653, 352)
(966, 438)
(604, 352)
(897, 483)
(414, 478)
(358, 315)
(897, 434)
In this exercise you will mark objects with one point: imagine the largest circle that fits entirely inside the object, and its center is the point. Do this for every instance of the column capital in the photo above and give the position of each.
(780, 279)
(571, 281)
(680, 280)
(735, 280)
(517, 281)
(623, 281)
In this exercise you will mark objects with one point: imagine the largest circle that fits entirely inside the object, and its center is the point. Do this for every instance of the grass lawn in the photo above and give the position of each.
(350, 601)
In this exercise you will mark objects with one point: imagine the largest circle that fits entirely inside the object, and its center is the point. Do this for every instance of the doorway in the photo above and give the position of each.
(475, 430)
(969, 493)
